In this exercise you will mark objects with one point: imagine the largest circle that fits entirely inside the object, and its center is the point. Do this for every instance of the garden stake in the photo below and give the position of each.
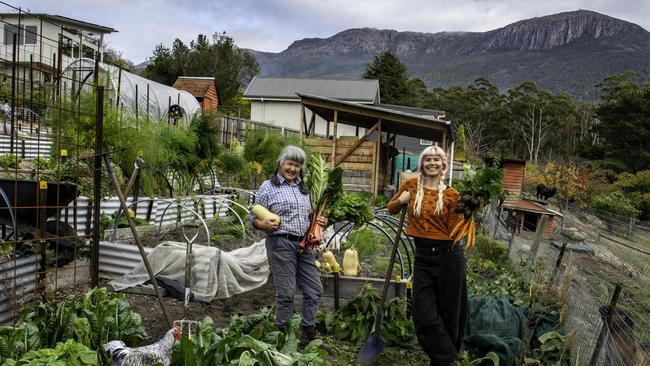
(373, 346)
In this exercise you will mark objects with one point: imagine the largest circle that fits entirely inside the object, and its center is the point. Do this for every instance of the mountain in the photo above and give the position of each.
(569, 52)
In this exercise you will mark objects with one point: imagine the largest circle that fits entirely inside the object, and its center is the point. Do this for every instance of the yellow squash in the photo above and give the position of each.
(262, 213)
(350, 262)
(329, 258)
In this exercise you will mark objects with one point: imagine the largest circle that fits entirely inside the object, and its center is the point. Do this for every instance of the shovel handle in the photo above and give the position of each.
(389, 271)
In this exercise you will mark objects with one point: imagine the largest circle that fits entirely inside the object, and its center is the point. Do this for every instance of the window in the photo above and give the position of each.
(30, 34)
(26, 34)
(10, 30)
(426, 142)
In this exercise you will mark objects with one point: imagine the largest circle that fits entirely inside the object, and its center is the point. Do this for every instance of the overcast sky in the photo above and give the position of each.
(272, 25)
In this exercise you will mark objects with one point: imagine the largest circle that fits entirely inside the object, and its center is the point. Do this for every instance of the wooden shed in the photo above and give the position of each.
(528, 211)
(204, 89)
(366, 159)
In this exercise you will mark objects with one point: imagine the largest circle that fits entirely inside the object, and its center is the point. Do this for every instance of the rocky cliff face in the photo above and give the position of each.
(563, 52)
(557, 30)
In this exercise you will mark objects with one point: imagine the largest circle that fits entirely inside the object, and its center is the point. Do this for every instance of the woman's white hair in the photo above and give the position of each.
(419, 195)
(293, 153)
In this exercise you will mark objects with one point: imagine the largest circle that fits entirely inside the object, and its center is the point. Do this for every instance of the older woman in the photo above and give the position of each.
(286, 195)
(439, 282)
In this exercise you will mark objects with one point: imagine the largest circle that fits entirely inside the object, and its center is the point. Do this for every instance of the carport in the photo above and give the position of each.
(376, 120)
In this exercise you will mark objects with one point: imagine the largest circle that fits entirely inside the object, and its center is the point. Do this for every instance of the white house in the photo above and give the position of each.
(44, 41)
(274, 99)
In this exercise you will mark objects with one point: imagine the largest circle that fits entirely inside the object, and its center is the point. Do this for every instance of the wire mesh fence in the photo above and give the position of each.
(40, 172)
(589, 254)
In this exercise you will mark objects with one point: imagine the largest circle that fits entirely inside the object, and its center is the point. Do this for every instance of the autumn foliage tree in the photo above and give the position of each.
(569, 179)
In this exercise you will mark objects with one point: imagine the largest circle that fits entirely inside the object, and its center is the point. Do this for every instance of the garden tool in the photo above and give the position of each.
(185, 324)
(373, 346)
(136, 238)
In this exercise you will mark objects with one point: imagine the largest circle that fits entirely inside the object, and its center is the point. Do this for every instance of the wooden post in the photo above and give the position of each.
(513, 231)
(539, 233)
(377, 159)
(302, 120)
(496, 223)
(558, 263)
(336, 120)
(604, 329)
(336, 290)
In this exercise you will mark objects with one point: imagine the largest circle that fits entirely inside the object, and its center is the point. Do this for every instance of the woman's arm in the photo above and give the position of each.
(400, 199)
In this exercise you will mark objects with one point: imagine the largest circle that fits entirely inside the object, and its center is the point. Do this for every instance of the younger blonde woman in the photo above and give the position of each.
(439, 282)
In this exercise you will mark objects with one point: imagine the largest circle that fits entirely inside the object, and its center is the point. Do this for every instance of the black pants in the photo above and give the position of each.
(439, 299)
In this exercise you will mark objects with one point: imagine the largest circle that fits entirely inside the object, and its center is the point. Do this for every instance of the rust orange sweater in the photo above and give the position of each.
(428, 225)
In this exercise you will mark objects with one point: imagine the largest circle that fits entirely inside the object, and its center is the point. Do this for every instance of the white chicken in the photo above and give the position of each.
(161, 351)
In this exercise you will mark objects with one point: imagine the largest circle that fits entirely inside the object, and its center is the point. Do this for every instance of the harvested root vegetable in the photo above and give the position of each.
(262, 213)
(350, 262)
(329, 258)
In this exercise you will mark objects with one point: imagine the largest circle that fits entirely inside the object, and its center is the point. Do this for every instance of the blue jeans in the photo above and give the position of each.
(290, 268)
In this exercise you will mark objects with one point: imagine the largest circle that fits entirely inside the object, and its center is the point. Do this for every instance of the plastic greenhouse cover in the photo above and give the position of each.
(160, 96)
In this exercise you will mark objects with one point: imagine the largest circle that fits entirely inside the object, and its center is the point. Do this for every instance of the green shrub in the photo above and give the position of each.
(10, 161)
(615, 202)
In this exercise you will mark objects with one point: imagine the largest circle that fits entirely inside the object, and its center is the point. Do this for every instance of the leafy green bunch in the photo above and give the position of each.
(486, 184)
(349, 207)
(354, 320)
(324, 182)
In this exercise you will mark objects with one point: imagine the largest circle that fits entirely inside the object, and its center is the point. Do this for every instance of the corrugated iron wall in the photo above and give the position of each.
(27, 148)
(18, 281)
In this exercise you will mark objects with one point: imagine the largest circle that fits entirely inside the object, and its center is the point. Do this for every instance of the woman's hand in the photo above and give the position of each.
(404, 198)
(322, 221)
(268, 224)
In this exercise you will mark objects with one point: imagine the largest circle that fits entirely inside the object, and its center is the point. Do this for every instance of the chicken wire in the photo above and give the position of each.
(589, 280)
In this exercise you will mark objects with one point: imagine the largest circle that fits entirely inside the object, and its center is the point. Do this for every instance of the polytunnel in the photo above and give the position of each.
(137, 96)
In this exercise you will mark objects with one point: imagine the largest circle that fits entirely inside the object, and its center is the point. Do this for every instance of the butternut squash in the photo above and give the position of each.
(329, 258)
(326, 268)
(350, 262)
(262, 213)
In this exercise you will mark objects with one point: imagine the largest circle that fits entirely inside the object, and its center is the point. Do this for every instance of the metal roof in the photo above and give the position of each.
(529, 206)
(64, 20)
(285, 88)
(423, 112)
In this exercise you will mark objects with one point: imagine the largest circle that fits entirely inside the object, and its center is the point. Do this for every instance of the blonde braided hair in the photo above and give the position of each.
(419, 194)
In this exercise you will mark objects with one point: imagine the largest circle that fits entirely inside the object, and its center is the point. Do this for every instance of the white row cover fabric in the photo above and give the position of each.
(161, 97)
(215, 273)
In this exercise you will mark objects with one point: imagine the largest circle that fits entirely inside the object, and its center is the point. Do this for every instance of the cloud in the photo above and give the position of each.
(272, 25)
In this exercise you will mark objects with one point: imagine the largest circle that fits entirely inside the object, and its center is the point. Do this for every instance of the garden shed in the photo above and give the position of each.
(134, 95)
(527, 210)
(204, 89)
(367, 163)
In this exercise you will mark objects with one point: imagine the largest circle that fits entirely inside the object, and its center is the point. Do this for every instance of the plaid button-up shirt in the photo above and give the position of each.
(288, 202)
